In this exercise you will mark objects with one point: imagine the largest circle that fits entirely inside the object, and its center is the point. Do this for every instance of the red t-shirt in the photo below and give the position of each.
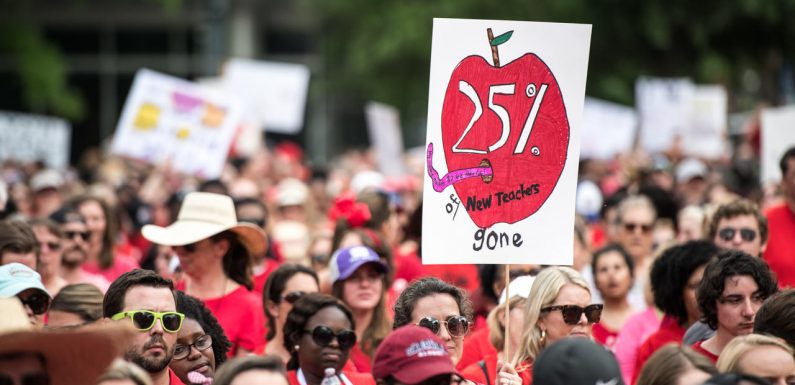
(669, 332)
(121, 264)
(173, 379)
(474, 372)
(240, 315)
(269, 265)
(697, 347)
(355, 378)
(408, 266)
(604, 336)
(476, 346)
(360, 359)
(780, 251)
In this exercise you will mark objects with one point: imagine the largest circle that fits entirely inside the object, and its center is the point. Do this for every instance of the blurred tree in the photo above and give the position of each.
(381, 49)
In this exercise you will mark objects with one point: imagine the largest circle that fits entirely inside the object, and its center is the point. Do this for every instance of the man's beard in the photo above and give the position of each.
(150, 364)
(70, 260)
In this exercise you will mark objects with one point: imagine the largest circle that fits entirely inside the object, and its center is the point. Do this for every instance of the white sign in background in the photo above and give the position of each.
(30, 138)
(383, 126)
(778, 135)
(608, 129)
(547, 235)
(170, 119)
(705, 137)
(274, 92)
(665, 109)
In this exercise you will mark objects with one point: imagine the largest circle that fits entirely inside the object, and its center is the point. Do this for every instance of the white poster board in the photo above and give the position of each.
(503, 141)
(705, 136)
(170, 119)
(665, 109)
(30, 138)
(778, 135)
(383, 126)
(274, 92)
(608, 128)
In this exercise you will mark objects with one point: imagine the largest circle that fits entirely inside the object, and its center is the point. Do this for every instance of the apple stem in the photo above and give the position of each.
(495, 54)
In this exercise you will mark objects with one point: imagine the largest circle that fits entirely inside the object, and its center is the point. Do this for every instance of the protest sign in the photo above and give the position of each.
(274, 92)
(30, 138)
(171, 119)
(664, 109)
(608, 129)
(505, 112)
(705, 136)
(778, 136)
(383, 125)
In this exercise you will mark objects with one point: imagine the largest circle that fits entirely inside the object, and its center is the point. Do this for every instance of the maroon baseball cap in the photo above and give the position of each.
(412, 354)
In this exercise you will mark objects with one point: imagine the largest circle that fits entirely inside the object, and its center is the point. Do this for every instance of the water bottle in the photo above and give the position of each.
(331, 377)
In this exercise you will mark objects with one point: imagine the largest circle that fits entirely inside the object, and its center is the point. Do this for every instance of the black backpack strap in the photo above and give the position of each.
(482, 364)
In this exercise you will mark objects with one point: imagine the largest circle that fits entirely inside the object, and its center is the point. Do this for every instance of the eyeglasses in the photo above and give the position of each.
(144, 320)
(41, 378)
(292, 296)
(630, 227)
(53, 246)
(728, 233)
(456, 325)
(84, 235)
(201, 343)
(38, 302)
(323, 335)
(573, 313)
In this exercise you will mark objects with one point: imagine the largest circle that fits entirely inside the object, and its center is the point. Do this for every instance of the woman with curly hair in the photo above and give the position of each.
(193, 361)
(319, 334)
(675, 276)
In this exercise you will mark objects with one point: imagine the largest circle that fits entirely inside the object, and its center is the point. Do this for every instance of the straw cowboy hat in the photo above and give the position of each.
(70, 356)
(203, 215)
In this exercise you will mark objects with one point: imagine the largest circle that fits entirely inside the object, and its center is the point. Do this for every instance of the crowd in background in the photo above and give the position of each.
(284, 270)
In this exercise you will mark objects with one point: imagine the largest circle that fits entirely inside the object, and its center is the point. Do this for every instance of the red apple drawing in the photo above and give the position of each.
(512, 118)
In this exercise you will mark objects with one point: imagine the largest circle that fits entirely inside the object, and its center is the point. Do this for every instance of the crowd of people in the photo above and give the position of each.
(117, 272)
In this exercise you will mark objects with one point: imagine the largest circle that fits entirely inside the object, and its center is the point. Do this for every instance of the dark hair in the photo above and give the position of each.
(233, 368)
(736, 379)
(303, 309)
(52, 227)
(256, 202)
(67, 214)
(106, 255)
(380, 324)
(613, 248)
(425, 287)
(735, 209)
(731, 263)
(379, 205)
(213, 186)
(783, 164)
(274, 287)
(194, 309)
(670, 362)
(671, 271)
(18, 237)
(236, 262)
(114, 298)
(83, 299)
(775, 316)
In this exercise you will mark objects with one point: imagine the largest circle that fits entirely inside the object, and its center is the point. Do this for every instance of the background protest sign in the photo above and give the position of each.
(504, 117)
(608, 128)
(778, 135)
(275, 93)
(171, 119)
(705, 136)
(664, 109)
(30, 138)
(383, 125)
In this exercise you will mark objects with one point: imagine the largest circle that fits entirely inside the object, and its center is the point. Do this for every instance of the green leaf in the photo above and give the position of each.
(501, 39)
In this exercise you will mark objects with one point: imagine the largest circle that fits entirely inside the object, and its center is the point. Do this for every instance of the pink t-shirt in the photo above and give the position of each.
(637, 328)
(121, 265)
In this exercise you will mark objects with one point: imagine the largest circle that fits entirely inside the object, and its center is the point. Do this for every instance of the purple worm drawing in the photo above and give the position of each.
(484, 171)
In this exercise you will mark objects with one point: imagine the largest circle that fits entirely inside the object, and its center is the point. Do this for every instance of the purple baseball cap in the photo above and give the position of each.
(345, 261)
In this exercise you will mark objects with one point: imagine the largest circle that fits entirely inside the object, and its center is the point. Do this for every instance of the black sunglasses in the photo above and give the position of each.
(457, 325)
(190, 247)
(52, 246)
(84, 235)
(727, 234)
(323, 335)
(630, 227)
(38, 302)
(27, 379)
(292, 296)
(572, 313)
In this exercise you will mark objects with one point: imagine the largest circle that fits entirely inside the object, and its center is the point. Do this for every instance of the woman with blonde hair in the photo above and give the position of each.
(560, 307)
(676, 365)
(759, 355)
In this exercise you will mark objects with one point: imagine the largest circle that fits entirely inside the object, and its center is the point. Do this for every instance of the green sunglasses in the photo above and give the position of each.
(144, 320)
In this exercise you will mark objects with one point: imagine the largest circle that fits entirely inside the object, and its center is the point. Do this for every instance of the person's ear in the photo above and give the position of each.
(272, 308)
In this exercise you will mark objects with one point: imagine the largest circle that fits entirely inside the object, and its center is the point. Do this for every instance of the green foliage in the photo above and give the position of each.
(381, 49)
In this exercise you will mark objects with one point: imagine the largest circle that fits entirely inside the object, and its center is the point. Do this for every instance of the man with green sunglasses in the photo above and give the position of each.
(146, 301)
